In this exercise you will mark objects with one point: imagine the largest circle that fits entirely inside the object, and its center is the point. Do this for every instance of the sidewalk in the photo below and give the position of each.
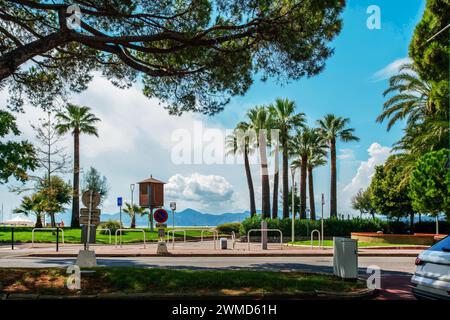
(193, 249)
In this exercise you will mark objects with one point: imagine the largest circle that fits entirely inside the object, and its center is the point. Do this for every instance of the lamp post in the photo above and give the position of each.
(173, 207)
(293, 204)
(132, 193)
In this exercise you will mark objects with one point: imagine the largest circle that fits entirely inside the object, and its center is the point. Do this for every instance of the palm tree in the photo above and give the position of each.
(427, 119)
(316, 158)
(132, 211)
(259, 120)
(412, 99)
(301, 145)
(285, 119)
(77, 120)
(333, 128)
(34, 204)
(241, 141)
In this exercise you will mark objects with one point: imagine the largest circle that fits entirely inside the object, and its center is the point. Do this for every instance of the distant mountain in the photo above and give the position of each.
(188, 217)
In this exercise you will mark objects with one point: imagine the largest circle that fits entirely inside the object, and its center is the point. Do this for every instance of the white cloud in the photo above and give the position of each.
(377, 156)
(210, 190)
(346, 154)
(391, 69)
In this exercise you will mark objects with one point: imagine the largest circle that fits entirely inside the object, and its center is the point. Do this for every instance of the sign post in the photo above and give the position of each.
(161, 217)
(119, 204)
(88, 217)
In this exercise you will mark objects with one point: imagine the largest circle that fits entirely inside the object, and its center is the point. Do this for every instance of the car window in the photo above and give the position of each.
(443, 245)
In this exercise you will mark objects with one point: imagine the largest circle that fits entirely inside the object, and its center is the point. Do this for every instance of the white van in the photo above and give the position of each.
(432, 277)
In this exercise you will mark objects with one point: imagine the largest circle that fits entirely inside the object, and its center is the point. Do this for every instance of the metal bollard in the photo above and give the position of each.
(57, 239)
(12, 238)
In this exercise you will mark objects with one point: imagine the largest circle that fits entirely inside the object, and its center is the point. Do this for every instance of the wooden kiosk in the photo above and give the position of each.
(151, 195)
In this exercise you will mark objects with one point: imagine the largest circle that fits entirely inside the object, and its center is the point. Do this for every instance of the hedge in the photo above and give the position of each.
(227, 228)
(343, 228)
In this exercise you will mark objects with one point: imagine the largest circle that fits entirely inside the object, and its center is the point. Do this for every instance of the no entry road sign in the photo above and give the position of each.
(161, 215)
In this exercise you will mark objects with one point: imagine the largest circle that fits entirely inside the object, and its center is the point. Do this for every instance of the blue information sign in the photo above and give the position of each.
(119, 201)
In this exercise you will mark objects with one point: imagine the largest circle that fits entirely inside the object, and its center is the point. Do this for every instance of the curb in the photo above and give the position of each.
(316, 295)
(127, 255)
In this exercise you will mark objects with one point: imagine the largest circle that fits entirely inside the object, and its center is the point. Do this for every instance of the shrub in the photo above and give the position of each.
(332, 227)
(112, 225)
(343, 228)
(227, 228)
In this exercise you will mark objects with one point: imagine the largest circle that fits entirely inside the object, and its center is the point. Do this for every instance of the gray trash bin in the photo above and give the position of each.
(345, 258)
(223, 243)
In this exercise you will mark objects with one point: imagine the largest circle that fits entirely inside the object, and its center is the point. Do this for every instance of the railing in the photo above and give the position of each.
(44, 229)
(215, 236)
(264, 230)
(318, 238)
(173, 234)
(214, 232)
(109, 231)
(128, 230)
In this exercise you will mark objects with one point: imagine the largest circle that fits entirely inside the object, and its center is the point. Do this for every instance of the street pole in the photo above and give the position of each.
(293, 205)
(120, 216)
(132, 195)
(321, 220)
(437, 225)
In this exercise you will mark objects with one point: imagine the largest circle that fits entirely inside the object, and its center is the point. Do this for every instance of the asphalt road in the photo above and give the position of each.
(390, 265)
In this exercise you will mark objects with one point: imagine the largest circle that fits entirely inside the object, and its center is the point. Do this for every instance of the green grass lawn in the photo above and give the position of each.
(329, 243)
(73, 235)
(175, 282)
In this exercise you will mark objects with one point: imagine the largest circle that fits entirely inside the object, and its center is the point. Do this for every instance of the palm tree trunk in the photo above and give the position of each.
(133, 221)
(276, 179)
(285, 181)
(265, 196)
(76, 181)
(38, 223)
(312, 205)
(251, 191)
(333, 193)
(303, 187)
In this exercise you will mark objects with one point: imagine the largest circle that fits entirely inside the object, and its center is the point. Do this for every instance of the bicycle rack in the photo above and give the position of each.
(214, 232)
(318, 238)
(128, 230)
(264, 230)
(109, 231)
(173, 234)
(44, 229)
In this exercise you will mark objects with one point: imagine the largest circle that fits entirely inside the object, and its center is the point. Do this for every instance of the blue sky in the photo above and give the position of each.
(131, 147)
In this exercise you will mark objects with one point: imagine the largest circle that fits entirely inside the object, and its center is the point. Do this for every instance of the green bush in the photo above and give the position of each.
(227, 228)
(343, 228)
(112, 225)
(332, 227)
